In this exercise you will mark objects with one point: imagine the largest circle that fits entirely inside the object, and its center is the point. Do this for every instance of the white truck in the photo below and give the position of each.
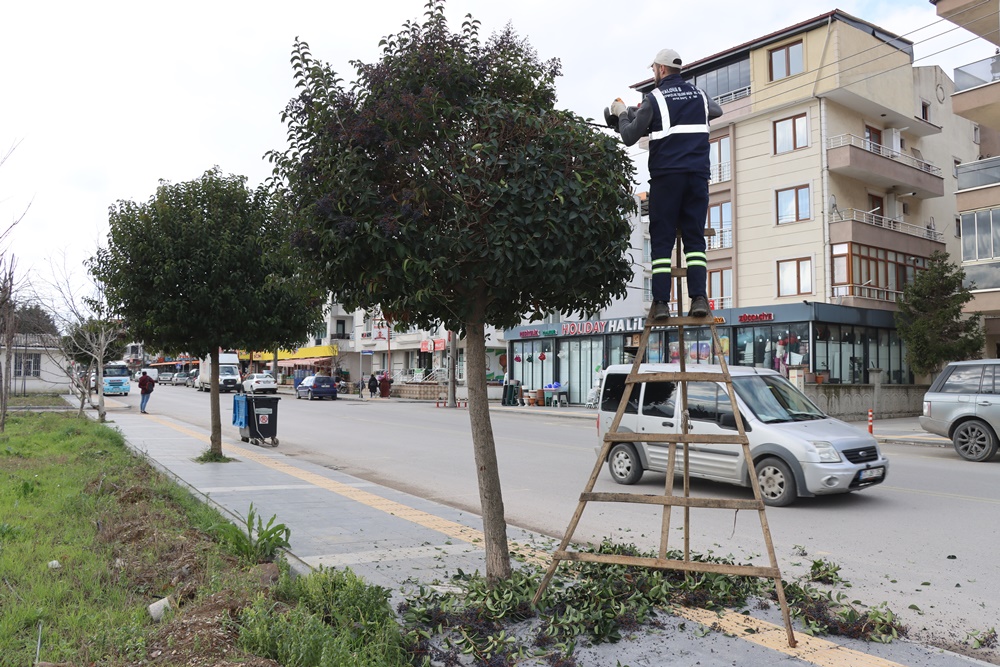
(229, 373)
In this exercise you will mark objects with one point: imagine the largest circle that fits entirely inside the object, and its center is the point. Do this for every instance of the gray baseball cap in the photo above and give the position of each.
(667, 57)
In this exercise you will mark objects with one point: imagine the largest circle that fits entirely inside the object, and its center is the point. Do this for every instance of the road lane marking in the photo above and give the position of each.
(768, 635)
(942, 494)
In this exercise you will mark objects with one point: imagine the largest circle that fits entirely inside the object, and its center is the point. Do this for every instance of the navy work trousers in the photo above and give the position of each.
(678, 203)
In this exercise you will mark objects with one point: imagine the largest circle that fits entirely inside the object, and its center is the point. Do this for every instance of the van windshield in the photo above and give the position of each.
(773, 399)
(228, 370)
(115, 372)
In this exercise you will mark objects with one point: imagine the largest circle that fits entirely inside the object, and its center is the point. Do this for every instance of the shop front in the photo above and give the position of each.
(835, 344)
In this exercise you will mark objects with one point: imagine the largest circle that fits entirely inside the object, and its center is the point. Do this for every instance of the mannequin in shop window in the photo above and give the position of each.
(780, 361)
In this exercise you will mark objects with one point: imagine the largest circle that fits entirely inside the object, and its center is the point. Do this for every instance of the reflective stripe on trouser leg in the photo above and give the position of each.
(697, 273)
(661, 279)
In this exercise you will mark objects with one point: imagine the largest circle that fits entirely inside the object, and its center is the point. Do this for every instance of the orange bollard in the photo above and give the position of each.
(870, 421)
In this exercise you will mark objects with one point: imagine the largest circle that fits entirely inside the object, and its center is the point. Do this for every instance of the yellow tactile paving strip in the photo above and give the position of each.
(809, 649)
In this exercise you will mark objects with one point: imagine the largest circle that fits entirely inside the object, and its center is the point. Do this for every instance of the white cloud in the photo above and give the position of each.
(110, 97)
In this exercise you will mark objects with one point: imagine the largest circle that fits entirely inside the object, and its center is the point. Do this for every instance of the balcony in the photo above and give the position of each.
(887, 223)
(722, 239)
(977, 92)
(865, 291)
(720, 173)
(977, 16)
(720, 302)
(875, 164)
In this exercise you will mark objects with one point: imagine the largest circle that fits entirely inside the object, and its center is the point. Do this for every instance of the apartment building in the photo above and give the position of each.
(976, 97)
(834, 168)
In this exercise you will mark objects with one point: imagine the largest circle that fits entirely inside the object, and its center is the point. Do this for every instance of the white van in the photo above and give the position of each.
(151, 372)
(229, 373)
(797, 450)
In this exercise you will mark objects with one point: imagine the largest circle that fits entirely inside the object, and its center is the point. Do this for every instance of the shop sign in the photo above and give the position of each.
(425, 346)
(530, 333)
(602, 326)
(439, 344)
(756, 317)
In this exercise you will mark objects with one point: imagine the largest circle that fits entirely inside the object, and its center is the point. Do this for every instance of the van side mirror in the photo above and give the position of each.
(728, 420)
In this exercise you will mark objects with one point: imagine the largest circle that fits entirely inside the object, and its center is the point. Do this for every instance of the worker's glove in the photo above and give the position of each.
(618, 107)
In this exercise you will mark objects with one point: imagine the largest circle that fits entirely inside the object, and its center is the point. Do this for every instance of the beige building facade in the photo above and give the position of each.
(976, 97)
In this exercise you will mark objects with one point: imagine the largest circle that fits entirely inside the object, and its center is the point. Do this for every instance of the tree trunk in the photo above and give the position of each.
(484, 446)
(452, 376)
(214, 401)
(99, 384)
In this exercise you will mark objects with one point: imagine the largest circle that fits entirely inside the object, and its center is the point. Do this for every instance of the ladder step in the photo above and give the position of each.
(676, 376)
(670, 564)
(690, 438)
(676, 321)
(672, 501)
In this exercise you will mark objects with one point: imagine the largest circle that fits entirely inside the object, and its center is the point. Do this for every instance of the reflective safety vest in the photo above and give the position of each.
(678, 137)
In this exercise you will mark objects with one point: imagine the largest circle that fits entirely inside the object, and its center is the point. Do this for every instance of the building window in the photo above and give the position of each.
(719, 160)
(720, 218)
(793, 204)
(871, 272)
(790, 133)
(647, 251)
(980, 235)
(925, 110)
(27, 365)
(647, 289)
(954, 171)
(785, 61)
(975, 134)
(795, 277)
(873, 139)
(720, 288)
(958, 227)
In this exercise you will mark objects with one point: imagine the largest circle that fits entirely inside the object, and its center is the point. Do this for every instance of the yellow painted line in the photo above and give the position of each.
(809, 649)
(942, 494)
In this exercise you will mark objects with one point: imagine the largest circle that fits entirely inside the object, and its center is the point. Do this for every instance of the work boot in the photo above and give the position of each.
(699, 307)
(661, 312)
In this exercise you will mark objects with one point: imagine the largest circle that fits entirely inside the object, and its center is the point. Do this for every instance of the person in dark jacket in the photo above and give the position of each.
(675, 115)
(372, 386)
(146, 384)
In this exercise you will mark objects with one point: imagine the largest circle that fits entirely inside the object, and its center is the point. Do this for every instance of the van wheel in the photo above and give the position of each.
(974, 441)
(624, 464)
(777, 484)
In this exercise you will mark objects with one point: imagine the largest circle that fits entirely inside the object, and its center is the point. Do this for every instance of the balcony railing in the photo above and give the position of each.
(723, 239)
(720, 172)
(979, 173)
(866, 292)
(978, 73)
(887, 223)
(884, 151)
(733, 95)
(720, 302)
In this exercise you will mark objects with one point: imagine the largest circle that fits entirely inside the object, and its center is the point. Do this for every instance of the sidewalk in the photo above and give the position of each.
(396, 540)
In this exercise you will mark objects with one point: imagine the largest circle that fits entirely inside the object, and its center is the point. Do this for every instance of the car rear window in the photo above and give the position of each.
(963, 380)
(323, 382)
(614, 386)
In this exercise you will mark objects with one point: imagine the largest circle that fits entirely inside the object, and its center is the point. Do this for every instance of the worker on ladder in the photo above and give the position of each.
(675, 115)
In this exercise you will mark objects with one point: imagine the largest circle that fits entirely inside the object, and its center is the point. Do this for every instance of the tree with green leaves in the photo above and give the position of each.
(448, 173)
(202, 266)
(931, 321)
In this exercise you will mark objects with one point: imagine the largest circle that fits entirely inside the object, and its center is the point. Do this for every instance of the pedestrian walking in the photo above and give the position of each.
(146, 385)
(372, 386)
(675, 116)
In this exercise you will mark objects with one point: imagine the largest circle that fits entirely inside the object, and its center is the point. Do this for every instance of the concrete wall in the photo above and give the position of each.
(851, 402)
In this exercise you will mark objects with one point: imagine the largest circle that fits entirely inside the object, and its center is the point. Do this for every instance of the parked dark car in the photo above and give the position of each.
(317, 386)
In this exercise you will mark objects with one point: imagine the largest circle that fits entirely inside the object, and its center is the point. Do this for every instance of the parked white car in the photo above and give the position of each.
(260, 383)
(798, 451)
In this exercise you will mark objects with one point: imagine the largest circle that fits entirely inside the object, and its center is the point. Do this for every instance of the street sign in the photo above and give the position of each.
(367, 352)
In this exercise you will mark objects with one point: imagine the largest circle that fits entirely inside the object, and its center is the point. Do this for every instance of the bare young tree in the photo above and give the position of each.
(91, 336)
(9, 285)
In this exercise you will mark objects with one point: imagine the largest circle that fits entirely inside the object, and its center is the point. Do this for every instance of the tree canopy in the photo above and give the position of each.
(203, 265)
(445, 187)
(449, 175)
(930, 318)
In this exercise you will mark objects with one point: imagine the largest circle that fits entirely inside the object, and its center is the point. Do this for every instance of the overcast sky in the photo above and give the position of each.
(104, 99)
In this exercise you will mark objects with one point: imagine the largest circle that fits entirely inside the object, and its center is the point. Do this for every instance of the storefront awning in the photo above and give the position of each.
(313, 361)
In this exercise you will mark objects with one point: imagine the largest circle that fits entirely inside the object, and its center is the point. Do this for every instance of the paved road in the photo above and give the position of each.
(926, 538)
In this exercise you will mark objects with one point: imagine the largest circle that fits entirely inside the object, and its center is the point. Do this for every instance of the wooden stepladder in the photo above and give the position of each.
(668, 500)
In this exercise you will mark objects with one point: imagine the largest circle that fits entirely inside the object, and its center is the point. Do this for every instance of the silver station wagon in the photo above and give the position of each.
(963, 404)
